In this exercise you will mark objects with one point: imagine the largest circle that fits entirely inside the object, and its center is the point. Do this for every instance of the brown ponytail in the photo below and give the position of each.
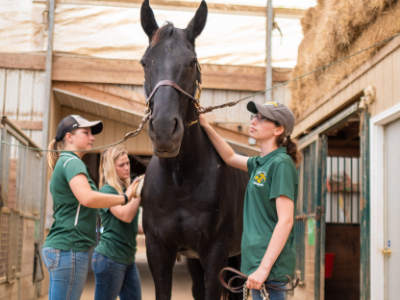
(52, 157)
(291, 148)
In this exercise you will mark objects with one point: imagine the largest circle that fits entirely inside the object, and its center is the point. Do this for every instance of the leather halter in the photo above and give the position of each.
(195, 98)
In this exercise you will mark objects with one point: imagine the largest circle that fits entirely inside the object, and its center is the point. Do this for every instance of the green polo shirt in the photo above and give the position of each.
(74, 226)
(118, 240)
(271, 176)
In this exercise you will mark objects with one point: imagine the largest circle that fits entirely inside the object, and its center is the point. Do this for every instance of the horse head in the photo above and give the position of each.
(170, 56)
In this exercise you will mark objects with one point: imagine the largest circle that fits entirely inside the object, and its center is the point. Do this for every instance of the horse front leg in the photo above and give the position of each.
(214, 261)
(161, 259)
(196, 271)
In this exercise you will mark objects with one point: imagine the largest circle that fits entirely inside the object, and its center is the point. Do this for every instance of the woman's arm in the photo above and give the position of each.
(127, 212)
(80, 187)
(224, 150)
(285, 210)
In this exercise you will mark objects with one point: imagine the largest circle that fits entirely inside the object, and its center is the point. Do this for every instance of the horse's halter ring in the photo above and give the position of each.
(195, 98)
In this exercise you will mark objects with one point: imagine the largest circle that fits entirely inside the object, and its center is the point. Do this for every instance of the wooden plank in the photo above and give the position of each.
(2, 89)
(379, 87)
(220, 8)
(26, 95)
(103, 97)
(388, 81)
(28, 125)
(23, 61)
(12, 93)
(396, 77)
(98, 70)
(38, 96)
(117, 91)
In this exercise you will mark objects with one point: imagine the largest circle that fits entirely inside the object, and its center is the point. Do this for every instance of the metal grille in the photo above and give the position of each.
(4, 243)
(343, 190)
(20, 241)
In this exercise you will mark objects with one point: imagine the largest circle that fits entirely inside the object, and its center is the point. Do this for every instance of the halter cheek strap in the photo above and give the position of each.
(195, 98)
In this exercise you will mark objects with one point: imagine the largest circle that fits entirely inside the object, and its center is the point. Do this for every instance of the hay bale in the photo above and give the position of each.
(334, 29)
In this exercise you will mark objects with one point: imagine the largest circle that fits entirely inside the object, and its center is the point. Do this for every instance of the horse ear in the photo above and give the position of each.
(147, 19)
(198, 23)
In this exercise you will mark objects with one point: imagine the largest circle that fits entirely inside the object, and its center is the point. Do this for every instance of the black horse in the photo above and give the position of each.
(192, 201)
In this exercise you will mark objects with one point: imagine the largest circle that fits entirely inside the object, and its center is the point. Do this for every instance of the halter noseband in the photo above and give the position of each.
(195, 98)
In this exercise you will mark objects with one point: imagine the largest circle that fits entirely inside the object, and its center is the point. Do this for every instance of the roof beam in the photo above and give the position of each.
(74, 68)
(105, 98)
(220, 8)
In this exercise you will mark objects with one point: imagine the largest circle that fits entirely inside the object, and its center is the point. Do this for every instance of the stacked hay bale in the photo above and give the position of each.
(334, 29)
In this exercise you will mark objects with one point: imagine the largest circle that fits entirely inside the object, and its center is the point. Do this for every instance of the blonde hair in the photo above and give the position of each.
(52, 157)
(107, 169)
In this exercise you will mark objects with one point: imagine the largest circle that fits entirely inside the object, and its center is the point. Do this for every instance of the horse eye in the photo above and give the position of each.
(194, 62)
(142, 63)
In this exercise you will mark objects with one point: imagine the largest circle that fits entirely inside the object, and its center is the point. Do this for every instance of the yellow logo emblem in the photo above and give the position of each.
(260, 178)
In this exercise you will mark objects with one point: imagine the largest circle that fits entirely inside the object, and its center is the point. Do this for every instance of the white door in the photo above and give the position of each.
(392, 209)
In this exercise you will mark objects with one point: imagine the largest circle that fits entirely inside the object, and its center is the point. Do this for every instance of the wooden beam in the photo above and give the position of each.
(103, 97)
(99, 70)
(23, 61)
(220, 8)
(117, 91)
(28, 125)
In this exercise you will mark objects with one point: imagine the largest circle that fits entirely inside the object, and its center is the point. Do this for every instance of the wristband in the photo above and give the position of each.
(126, 198)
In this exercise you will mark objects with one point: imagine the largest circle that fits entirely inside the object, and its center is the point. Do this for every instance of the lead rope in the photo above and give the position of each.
(263, 292)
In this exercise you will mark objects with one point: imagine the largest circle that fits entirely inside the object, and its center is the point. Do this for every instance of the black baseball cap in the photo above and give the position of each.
(72, 122)
(274, 111)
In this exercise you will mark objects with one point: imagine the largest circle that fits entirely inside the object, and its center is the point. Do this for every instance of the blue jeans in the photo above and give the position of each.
(273, 294)
(115, 279)
(68, 271)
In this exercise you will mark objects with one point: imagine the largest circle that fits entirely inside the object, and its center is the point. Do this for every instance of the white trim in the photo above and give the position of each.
(77, 214)
(377, 169)
(68, 161)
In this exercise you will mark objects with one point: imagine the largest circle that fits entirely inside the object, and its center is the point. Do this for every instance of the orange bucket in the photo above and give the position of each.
(329, 260)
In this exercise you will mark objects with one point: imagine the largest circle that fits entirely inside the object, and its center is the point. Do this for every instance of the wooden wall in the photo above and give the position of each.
(113, 132)
(21, 99)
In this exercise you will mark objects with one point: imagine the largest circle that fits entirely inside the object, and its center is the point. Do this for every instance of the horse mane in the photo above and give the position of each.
(163, 32)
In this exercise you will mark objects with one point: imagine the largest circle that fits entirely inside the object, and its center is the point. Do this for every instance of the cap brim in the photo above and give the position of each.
(262, 109)
(95, 126)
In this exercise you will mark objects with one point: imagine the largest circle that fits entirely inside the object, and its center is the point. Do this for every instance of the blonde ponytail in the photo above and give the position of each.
(52, 157)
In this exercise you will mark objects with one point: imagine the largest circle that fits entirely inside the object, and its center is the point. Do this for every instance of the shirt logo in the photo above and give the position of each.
(260, 178)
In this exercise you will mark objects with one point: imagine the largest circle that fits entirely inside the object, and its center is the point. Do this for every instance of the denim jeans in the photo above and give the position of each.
(68, 271)
(273, 294)
(115, 279)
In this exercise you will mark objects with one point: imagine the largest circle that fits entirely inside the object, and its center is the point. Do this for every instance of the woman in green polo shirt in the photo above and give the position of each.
(268, 244)
(75, 197)
(113, 261)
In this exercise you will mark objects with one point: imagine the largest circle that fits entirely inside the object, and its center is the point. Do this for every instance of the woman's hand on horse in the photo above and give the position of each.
(131, 191)
(256, 280)
(203, 121)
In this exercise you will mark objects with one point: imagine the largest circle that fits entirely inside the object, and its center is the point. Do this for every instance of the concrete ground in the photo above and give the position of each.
(181, 286)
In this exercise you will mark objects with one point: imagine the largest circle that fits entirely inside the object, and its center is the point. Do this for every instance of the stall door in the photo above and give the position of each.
(392, 209)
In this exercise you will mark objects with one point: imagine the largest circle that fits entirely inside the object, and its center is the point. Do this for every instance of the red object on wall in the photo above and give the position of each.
(329, 260)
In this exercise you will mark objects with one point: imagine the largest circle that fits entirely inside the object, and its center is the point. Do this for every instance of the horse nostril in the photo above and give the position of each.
(176, 126)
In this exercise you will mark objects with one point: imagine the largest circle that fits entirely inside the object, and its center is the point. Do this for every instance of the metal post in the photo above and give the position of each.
(268, 77)
(46, 121)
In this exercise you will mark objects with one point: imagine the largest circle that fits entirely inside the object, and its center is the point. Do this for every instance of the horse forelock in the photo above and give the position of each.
(167, 30)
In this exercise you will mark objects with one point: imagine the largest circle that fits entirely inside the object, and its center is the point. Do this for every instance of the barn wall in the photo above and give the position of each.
(237, 113)
(113, 132)
(22, 96)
